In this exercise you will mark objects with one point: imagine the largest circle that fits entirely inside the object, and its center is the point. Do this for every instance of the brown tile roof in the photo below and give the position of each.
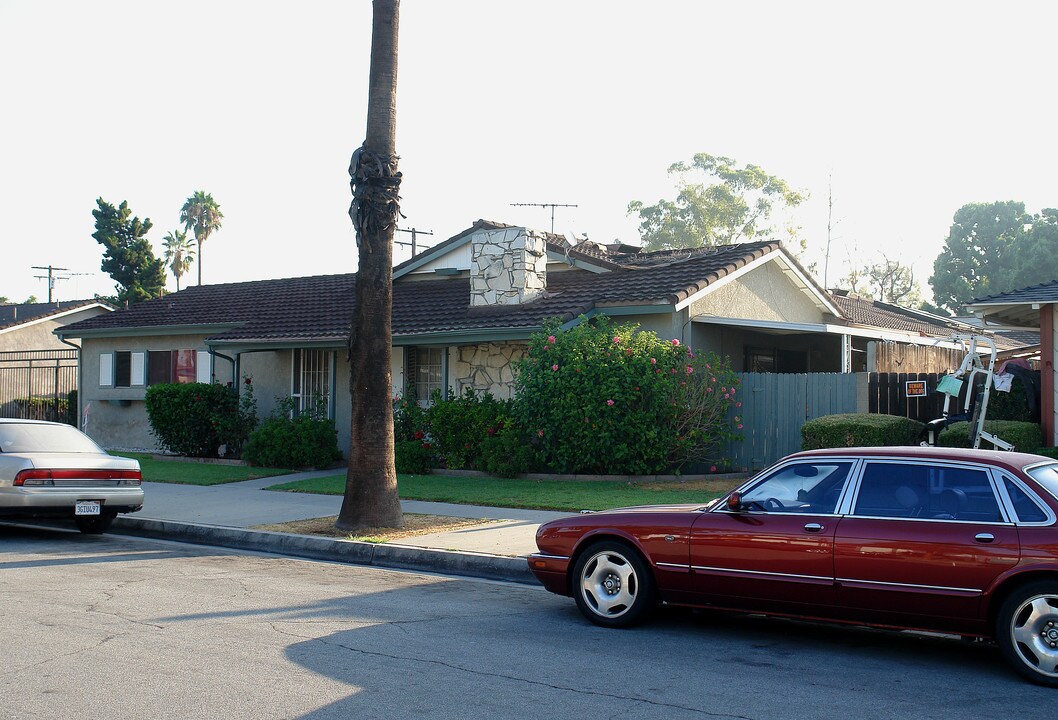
(19, 313)
(320, 307)
(876, 314)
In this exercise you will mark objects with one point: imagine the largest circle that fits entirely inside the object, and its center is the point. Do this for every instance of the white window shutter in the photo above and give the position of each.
(202, 367)
(139, 365)
(106, 369)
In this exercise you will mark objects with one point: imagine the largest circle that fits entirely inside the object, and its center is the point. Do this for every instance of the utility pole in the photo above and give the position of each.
(414, 235)
(545, 205)
(50, 277)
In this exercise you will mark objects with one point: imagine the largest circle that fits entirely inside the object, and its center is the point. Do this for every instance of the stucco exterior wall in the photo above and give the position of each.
(764, 293)
(117, 417)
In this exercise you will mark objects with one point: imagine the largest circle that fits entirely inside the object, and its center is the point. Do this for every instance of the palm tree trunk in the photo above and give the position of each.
(199, 263)
(371, 498)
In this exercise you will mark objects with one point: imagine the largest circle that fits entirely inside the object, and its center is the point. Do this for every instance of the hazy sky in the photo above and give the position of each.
(913, 109)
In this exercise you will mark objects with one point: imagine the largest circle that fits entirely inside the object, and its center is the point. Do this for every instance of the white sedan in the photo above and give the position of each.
(55, 471)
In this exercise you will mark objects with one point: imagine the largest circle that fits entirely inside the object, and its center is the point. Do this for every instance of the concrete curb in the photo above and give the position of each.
(387, 555)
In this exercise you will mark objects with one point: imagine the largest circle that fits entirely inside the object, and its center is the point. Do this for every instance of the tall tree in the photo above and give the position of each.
(179, 254)
(978, 257)
(737, 205)
(371, 498)
(127, 255)
(893, 282)
(202, 214)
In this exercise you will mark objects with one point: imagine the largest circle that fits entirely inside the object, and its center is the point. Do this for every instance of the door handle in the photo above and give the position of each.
(813, 527)
(984, 537)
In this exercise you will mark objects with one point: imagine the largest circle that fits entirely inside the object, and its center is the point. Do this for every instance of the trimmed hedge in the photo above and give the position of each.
(1026, 436)
(859, 430)
(309, 439)
(1047, 452)
(197, 419)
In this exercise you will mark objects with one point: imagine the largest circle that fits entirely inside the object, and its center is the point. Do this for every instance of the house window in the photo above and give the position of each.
(172, 366)
(425, 372)
(129, 368)
(312, 381)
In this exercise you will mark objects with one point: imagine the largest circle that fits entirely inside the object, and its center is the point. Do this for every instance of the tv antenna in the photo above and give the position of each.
(415, 233)
(545, 205)
(52, 278)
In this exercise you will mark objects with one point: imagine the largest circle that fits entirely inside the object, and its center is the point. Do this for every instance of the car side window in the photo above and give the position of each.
(936, 492)
(1028, 510)
(810, 487)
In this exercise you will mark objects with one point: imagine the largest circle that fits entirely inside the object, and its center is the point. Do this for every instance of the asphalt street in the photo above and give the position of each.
(123, 627)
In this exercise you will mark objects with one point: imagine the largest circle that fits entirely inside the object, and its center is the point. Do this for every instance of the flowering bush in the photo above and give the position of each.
(458, 426)
(600, 398)
(289, 440)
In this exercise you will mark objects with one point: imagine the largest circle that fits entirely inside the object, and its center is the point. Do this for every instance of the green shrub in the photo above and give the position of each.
(507, 452)
(308, 439)
(409, 419)
(197, 419)
(1026, 436)
(1047, 452)
(859, 430)
(71, 409)
(457, 427)
(412, 457)
(1013, 405)
(599, 398)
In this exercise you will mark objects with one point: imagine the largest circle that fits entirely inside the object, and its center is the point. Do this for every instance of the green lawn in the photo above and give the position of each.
(532, 494)
(195, 473)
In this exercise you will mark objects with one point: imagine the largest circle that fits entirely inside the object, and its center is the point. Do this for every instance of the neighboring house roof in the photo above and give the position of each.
(20, 314)
(1017, 307)
(875, 313)
(320, 307)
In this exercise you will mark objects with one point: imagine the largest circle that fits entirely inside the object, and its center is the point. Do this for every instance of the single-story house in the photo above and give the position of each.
(1031, 308)
(37, 369)
(462, 313)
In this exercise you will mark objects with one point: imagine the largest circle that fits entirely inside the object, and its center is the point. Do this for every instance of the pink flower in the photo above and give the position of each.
(554, 367)
(689, 369)
(653, 361)
(738, 404)
(740, 426)
(675, 342)
(708, 389)
(609, 402)
(551, 339)
(712, 380)
(539, 433)
(616, 340)
(712, 468)
(723, 389)
(628, 351)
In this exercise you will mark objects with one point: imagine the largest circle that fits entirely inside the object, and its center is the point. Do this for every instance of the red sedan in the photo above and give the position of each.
(956, 541)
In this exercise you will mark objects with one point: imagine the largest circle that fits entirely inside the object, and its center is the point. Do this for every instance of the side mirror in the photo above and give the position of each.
(734, 502)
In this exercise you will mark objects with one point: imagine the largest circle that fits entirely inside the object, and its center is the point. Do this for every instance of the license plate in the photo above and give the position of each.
(86, 507)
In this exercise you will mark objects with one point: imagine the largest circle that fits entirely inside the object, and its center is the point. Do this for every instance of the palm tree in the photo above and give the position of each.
(179, 253)
(202, 214)
(371, 498)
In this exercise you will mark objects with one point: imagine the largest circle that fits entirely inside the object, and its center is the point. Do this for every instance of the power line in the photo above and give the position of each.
(52, 278)
(545, 205)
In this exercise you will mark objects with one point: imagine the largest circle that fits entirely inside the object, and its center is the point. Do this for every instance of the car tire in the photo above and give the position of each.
(94, 524)
(1027, 631)
(612, 584)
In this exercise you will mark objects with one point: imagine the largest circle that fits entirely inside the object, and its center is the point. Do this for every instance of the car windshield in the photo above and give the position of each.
(1046, 475)
(31, 437)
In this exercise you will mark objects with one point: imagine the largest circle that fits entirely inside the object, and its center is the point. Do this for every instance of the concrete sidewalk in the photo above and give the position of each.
(222, 515)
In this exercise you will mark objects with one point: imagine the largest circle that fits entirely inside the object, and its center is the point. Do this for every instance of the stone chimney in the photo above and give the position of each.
(507, 267)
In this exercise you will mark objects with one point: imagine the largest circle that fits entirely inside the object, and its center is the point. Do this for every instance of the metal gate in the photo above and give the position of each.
(776, 405)
(37, 385)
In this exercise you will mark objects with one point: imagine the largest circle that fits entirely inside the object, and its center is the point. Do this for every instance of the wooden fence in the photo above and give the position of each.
(776, 405)
(887, 395)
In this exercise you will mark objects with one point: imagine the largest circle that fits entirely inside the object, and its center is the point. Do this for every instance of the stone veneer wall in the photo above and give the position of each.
(487, 367)
(508, 267)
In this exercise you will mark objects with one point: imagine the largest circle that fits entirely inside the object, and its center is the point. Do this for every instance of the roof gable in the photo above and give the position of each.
(19, 315)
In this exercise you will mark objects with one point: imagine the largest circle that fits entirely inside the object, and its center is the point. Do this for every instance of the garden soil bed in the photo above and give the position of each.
(414, 524)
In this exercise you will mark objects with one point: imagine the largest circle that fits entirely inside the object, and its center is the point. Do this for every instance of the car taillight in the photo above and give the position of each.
(48, 477)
